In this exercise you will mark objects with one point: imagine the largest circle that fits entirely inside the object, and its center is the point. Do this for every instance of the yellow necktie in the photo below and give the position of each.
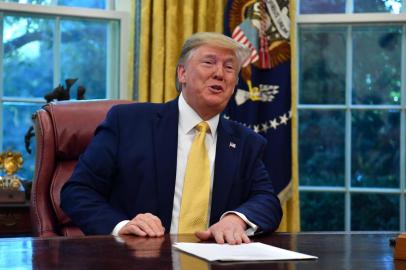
(196, 186)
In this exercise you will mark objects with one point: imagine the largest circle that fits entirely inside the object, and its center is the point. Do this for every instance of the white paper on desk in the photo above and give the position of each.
(243, 252)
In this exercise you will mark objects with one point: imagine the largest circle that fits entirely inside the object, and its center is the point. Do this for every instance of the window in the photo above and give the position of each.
(352, 114)
(46, 42)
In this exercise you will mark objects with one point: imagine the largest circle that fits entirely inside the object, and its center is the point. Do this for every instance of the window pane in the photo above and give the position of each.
(392, 6)
(321, 147)
(28, 60)
(322, 6)
(84, 55)
(101, 4)
(37, 2)
(322, 211)
(375, 148)
(322, 65)
(16, 122)
(374, 212)
(376, 64)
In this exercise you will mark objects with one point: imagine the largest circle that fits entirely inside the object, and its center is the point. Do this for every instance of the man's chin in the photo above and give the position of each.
(217, 100)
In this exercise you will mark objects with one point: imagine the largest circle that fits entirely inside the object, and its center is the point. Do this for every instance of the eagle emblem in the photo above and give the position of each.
(264, 27)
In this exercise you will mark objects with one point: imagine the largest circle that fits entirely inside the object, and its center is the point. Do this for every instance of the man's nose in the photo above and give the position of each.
(219, 72)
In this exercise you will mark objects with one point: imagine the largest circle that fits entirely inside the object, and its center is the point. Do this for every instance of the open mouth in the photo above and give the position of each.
(216, 88)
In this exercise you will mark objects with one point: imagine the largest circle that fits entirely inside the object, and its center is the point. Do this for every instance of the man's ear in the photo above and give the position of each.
(181, 74)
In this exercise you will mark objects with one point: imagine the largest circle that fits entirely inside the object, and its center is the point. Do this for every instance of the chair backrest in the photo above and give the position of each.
(62, 132)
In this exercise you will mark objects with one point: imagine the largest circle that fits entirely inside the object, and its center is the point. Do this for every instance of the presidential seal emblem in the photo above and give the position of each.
(264, 27)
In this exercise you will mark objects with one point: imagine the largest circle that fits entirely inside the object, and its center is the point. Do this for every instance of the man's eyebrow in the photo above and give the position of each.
(209, 56)
(229, 59)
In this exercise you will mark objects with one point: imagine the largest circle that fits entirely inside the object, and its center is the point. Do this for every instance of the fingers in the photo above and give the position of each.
(131, 228)
(204, 235)
(231, 235)
(219, 236)
(153, 223)
(211, 233)
(144, 225)
(245, 238)
(148, 226)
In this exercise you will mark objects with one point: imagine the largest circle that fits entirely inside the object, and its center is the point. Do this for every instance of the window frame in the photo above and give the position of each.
(350, 19)
(120, 70)
(117, 46)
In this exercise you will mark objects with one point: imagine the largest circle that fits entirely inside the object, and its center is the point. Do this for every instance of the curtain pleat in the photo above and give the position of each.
(165, 25)
(291, 207)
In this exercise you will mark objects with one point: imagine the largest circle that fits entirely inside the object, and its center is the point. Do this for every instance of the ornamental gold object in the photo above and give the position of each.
(11, 189)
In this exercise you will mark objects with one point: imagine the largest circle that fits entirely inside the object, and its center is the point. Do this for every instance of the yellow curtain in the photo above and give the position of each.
(290, 202)
(165, 24)
(131, 50)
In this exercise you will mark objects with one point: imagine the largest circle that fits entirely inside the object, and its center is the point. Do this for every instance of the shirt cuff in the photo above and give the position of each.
(118, 227)
(252, 227)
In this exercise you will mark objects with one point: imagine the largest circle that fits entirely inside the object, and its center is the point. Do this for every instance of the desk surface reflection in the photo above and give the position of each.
(335, 251)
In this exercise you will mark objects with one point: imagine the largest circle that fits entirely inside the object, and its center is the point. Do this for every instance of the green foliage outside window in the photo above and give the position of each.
(350, 115)
(29, 55)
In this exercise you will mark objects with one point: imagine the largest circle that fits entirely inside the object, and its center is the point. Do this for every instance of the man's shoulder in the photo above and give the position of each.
(140, 108)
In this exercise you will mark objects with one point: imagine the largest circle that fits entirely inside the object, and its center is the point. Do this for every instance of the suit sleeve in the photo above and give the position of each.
(262, 207)
(85, 197)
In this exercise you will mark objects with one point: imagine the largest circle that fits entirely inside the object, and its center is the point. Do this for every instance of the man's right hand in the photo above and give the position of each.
(144, 225)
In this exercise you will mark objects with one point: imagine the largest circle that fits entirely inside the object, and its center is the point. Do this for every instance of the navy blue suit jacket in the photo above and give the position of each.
(130, 168)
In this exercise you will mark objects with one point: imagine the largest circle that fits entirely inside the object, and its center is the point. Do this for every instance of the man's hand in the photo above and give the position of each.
(230, 229)
(144, 225)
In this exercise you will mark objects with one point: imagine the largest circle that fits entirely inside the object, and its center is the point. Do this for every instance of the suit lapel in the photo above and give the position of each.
(228, 153)
(165, 147)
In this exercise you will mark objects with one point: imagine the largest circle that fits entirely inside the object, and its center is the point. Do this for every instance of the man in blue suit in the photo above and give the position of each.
(130, 178)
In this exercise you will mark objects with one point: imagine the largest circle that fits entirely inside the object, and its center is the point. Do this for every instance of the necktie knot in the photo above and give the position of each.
(203, 127)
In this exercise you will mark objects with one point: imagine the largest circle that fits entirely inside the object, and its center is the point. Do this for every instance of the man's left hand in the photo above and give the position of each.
(230, 229)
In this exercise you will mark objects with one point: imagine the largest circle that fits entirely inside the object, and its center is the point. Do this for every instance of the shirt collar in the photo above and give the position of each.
(188, 118)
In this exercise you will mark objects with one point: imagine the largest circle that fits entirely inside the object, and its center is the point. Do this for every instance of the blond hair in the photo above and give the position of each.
(196, 40)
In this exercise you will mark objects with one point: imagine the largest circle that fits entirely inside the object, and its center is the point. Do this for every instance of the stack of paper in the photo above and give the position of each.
(243, 252)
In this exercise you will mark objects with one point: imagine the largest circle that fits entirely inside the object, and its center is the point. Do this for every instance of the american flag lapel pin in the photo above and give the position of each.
(232, 145)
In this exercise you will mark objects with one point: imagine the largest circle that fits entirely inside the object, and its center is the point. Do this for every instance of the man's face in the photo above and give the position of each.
(208, 79)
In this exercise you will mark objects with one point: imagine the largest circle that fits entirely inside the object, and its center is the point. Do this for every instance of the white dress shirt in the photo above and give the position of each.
(188, 119)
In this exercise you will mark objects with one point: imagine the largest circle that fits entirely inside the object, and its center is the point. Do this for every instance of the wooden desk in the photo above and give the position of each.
(15, 219)
(335, 251)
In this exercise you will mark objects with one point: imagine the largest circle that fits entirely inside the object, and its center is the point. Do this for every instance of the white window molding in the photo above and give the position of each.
(122, 17)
